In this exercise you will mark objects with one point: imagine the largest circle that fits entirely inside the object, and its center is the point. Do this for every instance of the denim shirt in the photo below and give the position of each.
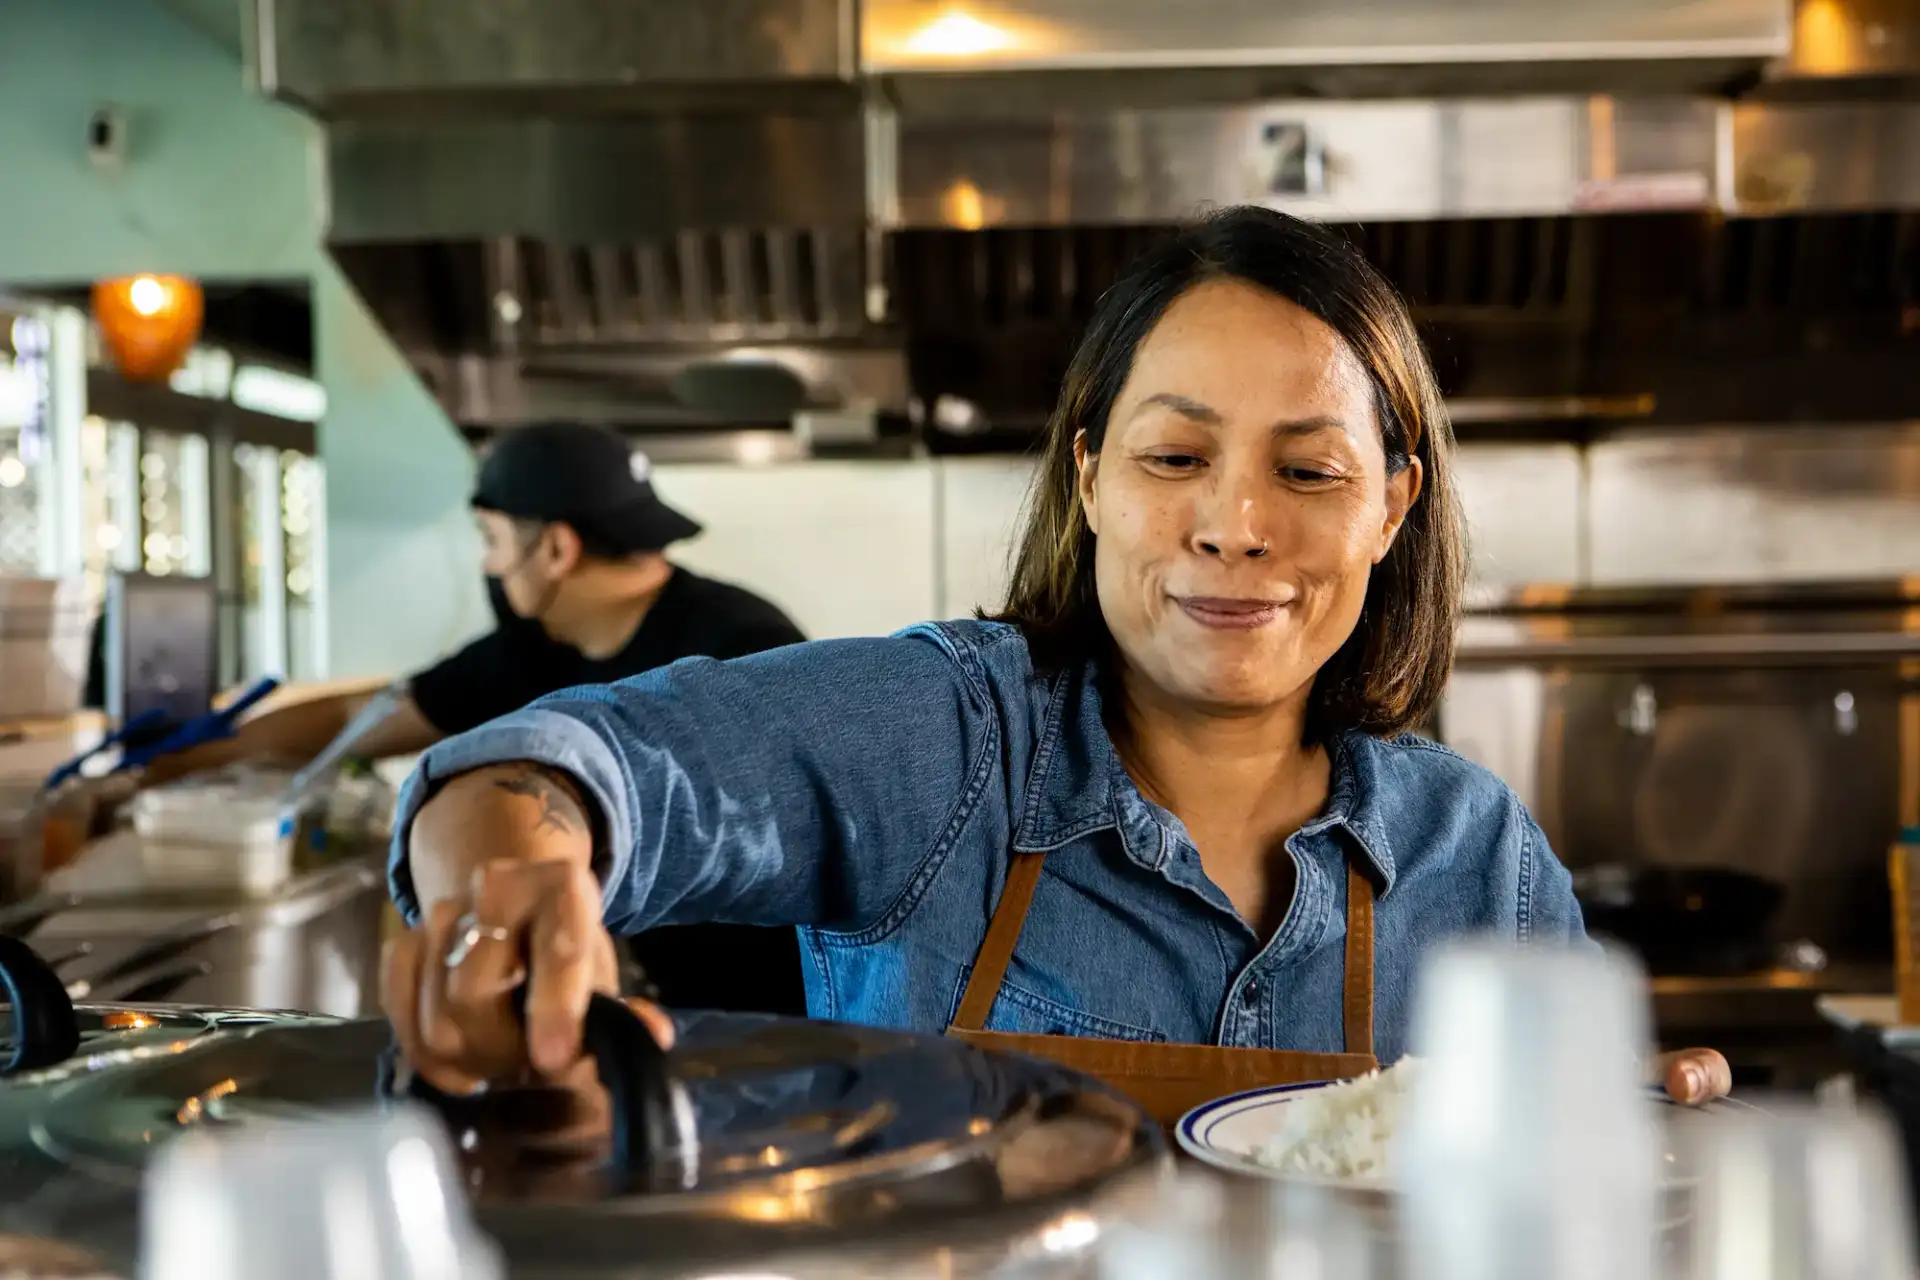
(872, 791)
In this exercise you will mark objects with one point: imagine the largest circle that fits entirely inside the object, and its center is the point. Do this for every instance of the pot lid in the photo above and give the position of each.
(802, 1134)
(112, 1035)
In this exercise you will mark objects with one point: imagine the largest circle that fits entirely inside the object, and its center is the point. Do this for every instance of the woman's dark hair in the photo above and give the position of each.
(1388, 675)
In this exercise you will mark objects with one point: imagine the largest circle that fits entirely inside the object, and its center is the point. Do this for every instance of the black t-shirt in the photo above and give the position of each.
(708, 966)
(516, 663)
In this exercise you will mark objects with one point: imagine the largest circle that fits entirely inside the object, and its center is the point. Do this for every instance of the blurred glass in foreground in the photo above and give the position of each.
(1797, 1191)
(1529, 1149)
(366, 1196)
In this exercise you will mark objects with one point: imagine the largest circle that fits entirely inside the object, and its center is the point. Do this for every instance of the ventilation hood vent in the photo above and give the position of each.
(699, 330)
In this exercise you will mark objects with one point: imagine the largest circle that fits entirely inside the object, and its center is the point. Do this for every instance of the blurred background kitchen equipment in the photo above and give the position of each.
(1682, 748)
(22, 840)
(313, 945)
(1683, 919)
(161, 647)
(45, 627)
(1903, 879)
(1881, 1033)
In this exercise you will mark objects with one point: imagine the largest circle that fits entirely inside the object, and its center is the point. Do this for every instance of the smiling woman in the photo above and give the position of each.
(1324, 396)
(1159, 819)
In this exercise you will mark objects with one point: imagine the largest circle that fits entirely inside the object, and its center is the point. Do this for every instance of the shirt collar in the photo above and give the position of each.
(1070, 790)
(1078, 786)
(1354, 806)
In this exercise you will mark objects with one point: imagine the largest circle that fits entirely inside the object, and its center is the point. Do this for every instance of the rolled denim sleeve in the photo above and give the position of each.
(804, 786)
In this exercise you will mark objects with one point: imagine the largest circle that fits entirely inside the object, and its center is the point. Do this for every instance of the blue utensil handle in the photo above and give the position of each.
(239, 706)
(71, 769)
(211, 727)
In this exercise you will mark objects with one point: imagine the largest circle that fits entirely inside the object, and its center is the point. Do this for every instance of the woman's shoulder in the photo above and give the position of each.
(1434, 802)
(988, 661)
(994, 654)
(1413, 757)
(1464, 853)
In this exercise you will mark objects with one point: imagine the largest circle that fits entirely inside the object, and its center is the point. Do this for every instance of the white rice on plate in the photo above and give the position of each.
(1343, 1131)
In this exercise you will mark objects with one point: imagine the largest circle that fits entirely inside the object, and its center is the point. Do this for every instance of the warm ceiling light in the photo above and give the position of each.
(957, 35)
(1823, 39)
(147, 295)
(150, 323)
(964, 206)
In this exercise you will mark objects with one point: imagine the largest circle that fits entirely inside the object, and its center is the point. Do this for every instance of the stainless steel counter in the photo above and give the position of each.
(313, 946)
(1769, 1025)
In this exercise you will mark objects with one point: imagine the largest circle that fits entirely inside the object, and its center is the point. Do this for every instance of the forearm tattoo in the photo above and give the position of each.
(560, 809)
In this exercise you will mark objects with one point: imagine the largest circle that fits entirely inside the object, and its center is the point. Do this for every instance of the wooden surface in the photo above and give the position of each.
(294, 693)
(1904, 873)
(42, 728)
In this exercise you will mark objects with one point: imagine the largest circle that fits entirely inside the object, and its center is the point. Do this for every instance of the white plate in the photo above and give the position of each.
(1226, 1132)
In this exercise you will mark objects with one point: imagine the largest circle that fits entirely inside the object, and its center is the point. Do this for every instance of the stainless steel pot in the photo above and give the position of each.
(791, 1147)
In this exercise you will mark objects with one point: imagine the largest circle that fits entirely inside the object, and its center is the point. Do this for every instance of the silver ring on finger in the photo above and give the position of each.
(469, 933)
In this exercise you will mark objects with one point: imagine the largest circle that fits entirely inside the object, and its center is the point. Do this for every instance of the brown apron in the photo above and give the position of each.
(1169, 1079)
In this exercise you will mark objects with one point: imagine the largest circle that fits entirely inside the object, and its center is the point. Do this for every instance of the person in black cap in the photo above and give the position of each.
(582, 593)
(575, 536)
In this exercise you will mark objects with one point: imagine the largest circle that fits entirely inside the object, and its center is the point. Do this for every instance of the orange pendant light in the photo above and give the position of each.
(149, 322)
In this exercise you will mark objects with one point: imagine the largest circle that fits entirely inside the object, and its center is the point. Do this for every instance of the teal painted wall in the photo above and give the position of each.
(224, 185)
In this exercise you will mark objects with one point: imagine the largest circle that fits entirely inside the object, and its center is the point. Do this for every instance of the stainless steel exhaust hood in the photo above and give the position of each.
(344, 57)
(359, 57)
(571, 206)
(1013, 53)
(1008, 35)
(578, 120)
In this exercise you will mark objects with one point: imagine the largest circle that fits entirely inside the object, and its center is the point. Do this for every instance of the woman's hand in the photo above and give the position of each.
(502, 856)
(1694, 1077)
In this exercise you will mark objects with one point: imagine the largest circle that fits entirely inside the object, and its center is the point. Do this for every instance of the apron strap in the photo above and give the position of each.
(1359, 978)
(1010, 916)
(996, 953)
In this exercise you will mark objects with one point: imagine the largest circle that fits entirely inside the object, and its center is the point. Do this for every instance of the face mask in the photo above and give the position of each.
(505, 616)
(503, 613)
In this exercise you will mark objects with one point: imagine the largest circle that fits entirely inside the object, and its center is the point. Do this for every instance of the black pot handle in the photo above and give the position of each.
(45, 1030)
(647, 1122)
(650, 1138)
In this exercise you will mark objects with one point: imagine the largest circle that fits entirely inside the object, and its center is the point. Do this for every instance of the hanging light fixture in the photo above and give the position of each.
(150, 323)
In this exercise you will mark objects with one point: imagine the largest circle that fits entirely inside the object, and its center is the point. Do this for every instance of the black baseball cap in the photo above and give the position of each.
(582, 475)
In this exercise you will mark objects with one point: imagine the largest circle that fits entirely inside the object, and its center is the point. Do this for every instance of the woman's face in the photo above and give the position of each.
(1240, 501)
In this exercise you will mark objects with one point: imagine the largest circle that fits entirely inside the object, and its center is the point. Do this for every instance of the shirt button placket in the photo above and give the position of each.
(1249, 1021)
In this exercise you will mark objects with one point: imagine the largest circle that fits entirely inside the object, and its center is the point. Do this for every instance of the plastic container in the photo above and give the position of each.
(46, 634)
(220, 833)
(22, 842)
